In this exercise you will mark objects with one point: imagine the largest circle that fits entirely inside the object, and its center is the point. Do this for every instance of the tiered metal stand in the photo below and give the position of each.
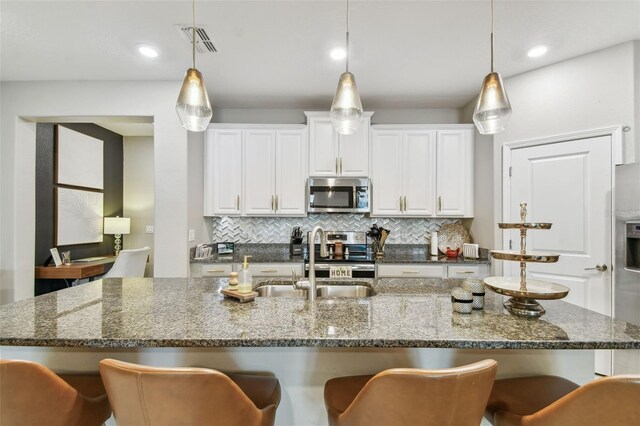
(523, 292)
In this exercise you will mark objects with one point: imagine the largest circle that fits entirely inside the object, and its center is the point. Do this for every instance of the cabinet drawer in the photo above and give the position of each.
(411, 270)
(274, 269)
(467, 271)
(216, 269)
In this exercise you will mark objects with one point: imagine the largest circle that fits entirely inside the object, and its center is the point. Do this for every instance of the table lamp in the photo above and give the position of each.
(117, 226)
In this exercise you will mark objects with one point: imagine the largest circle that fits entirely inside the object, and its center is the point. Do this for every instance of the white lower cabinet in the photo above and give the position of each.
(468, 271)
(417, 270)
(410, 270)
(211, 269)
(260, 270)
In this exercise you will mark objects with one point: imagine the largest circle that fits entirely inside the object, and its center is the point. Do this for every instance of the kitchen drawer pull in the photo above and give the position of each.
(269, 270)
(464, 272)
(410, 272)
(215, 270)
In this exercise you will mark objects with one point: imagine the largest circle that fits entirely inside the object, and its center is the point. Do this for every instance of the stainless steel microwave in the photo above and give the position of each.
(338, 195)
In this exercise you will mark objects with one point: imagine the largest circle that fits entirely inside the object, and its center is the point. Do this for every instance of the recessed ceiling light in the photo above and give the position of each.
(148, 51)
(338, 53)
(537, 51)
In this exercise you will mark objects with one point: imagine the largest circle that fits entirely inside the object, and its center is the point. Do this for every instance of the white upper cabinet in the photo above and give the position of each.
(332, 154)
(454, 181)
(223, 172)
(261, 171)
(422, 171)
(403, 178)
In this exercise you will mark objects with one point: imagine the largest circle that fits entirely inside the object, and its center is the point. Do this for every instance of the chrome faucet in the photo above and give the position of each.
(310, 284)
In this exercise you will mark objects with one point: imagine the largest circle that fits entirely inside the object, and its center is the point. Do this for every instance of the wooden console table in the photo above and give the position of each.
(75, 271)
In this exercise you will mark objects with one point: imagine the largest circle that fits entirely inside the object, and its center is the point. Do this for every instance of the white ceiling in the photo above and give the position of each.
(275, 54)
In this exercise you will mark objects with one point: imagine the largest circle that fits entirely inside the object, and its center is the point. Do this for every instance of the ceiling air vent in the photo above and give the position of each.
(204, 44)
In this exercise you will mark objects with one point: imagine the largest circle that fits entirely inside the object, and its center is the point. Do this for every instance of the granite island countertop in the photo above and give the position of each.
(166, 312)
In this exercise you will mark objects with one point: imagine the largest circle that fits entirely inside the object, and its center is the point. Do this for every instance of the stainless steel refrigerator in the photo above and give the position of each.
(626, 268)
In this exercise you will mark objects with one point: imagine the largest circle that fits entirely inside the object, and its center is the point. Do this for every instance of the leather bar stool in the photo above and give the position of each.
(406, 396)
(31, 394)
(551, 400)
(142, 395)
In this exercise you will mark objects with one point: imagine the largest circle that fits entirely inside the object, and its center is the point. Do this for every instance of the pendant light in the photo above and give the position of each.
(346, 109)
(193, 106)
(493, 109)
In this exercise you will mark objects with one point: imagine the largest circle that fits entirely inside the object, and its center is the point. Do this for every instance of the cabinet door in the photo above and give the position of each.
(291, 172)
(223, 172)
(259, 172)
(454, 171)
(386, 178)
(418, 183)
(323, 147)
(353, 158)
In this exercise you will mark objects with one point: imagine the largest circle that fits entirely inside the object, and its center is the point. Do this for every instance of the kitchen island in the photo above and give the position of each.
(408, 323)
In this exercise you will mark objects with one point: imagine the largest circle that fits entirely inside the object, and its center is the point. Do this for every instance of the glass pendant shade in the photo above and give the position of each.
(493, 109)
(193, 106)
(346, 109)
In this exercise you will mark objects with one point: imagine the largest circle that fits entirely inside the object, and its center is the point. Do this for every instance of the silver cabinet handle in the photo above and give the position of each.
(600, 268)
(273, 203)
(439, 203)
(340, 165)
(336, 165)
(276, 203)
(238, 203)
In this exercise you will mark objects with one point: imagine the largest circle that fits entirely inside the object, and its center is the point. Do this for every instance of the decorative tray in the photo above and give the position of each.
(532, 256)
(524, 225)
(536, 289)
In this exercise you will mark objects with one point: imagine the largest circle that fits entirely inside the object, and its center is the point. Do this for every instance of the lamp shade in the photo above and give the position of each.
(193, 106)
(493, 108)
(346, 109)
(117, 225)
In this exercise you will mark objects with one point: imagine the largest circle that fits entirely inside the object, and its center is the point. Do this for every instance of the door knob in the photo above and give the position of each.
(600, 268)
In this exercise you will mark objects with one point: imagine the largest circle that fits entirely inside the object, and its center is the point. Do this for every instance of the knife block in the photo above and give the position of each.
(296, 248)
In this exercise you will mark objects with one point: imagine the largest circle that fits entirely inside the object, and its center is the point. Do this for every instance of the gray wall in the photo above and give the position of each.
(45, 193)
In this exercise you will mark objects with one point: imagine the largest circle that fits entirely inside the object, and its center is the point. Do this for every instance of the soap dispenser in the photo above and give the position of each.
(245, 280)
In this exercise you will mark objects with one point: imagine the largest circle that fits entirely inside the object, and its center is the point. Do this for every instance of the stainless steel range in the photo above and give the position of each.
(346, 248)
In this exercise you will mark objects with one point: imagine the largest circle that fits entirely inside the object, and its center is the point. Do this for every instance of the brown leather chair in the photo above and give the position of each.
(406, 396)
(551, 400)
(142, 395)
(31, 394)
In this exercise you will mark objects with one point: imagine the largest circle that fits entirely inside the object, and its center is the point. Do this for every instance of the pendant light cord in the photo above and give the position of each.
(347, 35)
(193, 33)
(492, 36)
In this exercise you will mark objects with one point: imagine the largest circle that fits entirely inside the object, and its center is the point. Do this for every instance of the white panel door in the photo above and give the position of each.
(291, 172)
(323, 148)
(452, 171)
(386, 169)
(354, 152)
(568, 184)
(223, 173)
(418, 183)
(259, 172)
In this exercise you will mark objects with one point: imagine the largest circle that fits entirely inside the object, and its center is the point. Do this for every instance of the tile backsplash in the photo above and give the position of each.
(278, 229)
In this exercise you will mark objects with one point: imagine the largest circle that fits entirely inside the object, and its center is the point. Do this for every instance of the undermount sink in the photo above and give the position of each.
(322, 291)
